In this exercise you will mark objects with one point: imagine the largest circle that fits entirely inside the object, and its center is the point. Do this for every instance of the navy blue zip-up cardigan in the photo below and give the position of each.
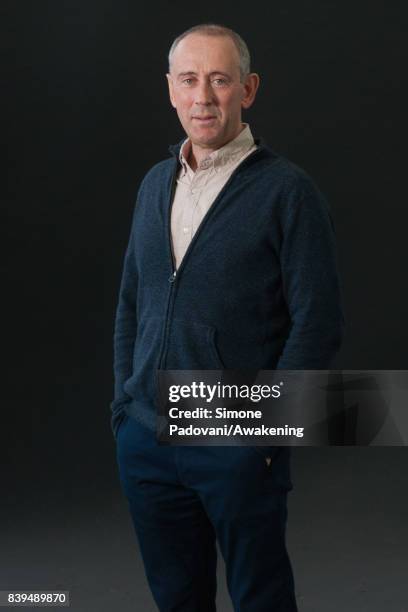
(257, 288)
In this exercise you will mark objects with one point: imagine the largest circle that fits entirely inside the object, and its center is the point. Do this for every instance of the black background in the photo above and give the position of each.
(85, 114)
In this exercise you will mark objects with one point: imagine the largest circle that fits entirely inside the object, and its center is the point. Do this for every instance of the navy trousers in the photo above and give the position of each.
(181, 498)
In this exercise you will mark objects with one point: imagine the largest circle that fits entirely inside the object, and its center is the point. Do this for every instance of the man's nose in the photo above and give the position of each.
(204, 93)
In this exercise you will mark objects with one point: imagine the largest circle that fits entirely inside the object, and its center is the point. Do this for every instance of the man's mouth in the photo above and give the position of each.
(206, 119)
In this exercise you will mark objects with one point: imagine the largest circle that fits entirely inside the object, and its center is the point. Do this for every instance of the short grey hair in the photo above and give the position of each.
(214, 29)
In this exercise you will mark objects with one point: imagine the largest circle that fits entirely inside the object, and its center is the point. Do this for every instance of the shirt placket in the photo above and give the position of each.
(197, 185)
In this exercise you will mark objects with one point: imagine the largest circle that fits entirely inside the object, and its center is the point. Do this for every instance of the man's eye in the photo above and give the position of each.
(220, 81)
(187, 81)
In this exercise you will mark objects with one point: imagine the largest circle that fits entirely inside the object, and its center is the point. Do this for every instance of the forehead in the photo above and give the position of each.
(201, 52)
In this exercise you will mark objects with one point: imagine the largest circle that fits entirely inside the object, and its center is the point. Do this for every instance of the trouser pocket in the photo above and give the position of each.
(266, 452)
(121, 425)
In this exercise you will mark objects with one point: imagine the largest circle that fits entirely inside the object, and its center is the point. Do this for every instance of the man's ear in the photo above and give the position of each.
(251, 85)
(171, 93)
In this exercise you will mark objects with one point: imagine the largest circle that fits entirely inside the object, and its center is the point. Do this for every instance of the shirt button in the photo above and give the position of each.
(185, 229)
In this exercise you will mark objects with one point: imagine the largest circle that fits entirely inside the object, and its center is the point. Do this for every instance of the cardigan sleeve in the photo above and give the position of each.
(310, 280)
(124, 336)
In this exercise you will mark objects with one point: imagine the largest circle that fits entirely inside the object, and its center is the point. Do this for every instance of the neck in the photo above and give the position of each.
(197, 153)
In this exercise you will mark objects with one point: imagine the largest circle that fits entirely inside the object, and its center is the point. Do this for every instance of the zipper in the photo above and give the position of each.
(176, 273)
(211, 209)
(168, 221)
(173, 274)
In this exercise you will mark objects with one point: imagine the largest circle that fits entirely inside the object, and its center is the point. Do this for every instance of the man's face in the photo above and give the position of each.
(205, 89)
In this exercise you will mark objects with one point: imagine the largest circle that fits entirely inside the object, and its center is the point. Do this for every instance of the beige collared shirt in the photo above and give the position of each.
(196, 191)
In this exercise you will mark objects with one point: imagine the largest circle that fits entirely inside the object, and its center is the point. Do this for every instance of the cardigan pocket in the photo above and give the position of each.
(192, 346)
(212, 335)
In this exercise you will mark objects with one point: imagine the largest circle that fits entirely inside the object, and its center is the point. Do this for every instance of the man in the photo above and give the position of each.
(230, 264)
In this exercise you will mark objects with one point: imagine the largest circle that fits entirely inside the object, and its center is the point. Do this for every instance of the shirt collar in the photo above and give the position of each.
(223, 157)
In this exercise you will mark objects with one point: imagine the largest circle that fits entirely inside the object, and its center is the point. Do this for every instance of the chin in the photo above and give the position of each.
(209, 140)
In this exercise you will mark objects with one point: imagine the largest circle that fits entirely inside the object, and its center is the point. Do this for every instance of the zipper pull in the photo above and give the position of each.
(172, 278)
